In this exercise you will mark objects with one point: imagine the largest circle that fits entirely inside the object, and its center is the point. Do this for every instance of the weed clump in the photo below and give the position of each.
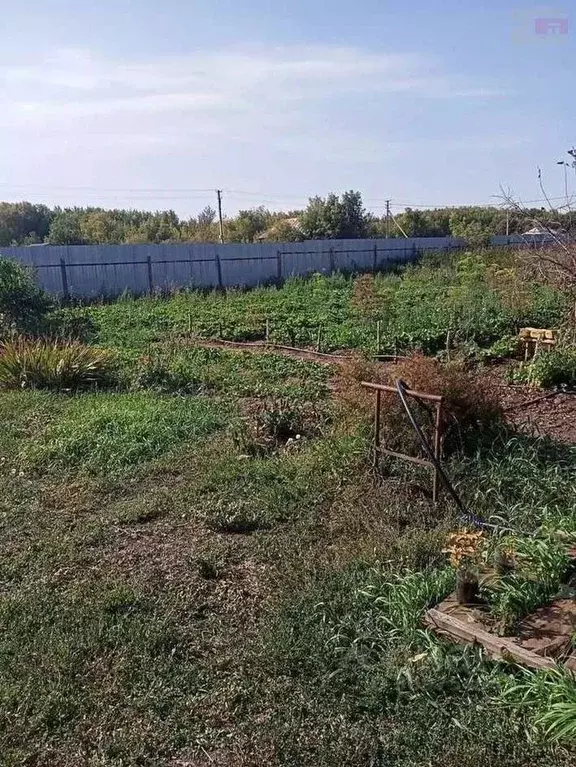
(57, 365)
(553, 368)
(276, 423)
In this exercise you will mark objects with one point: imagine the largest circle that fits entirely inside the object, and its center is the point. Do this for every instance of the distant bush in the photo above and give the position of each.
(41, 364)
(23, 304)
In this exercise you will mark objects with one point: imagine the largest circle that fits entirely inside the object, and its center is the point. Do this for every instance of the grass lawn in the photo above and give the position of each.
(169, 597)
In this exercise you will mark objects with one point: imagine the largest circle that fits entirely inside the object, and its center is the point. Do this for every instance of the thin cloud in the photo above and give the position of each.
(72, 84)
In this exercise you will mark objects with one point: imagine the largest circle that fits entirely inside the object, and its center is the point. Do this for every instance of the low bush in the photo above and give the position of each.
(23, 305)
(43, 364)
(554, 368)
(469, 403)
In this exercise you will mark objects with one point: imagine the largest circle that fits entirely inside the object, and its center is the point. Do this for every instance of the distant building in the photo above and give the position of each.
(282, 225)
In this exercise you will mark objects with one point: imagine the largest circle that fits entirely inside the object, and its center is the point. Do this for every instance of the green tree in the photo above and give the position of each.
(65, 228)
(475, 224)
(335, 217)
(22, 222)
(248, 224)
(201, 228)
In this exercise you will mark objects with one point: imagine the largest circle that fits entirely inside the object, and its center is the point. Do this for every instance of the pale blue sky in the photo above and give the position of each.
(141, 104)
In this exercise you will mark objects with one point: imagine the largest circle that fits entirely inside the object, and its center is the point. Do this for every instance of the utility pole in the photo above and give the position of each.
(219, 195)
(568, 205)
(387, 218)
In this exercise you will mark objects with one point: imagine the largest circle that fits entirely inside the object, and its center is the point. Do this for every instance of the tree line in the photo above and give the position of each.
(332, 217)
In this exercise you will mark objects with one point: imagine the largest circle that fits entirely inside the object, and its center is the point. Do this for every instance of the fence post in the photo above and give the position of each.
(64, 275)
(331, 260)
(378, 407)
(150, 275)
(218, 269)
(375, 257)
(279, 265)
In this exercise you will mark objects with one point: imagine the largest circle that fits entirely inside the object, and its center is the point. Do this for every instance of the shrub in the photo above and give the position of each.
(468, 399)
(554, 368)
(43, 364)
(469, 403)
(23, 304)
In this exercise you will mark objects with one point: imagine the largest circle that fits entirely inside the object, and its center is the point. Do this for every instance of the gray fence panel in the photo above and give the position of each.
(92, 270)
(353, 255)
(243, 266)
(170, 266)
(302, 258)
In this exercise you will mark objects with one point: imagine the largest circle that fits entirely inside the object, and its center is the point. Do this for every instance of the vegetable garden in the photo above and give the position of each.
(201, 564)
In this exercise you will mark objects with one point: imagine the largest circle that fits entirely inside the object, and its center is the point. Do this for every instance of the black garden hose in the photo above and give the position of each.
(401, 389)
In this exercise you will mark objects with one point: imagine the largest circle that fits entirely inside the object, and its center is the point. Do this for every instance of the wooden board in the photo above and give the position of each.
(497, 647)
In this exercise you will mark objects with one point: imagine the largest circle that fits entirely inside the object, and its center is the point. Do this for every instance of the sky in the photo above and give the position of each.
(155, 105)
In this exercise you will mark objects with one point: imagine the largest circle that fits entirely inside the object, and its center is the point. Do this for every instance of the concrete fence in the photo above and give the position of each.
(89, 271)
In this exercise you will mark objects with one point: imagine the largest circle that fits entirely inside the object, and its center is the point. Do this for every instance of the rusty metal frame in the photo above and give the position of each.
(380, 449)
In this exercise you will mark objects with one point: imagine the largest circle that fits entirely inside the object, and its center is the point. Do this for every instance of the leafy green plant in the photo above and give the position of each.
(23, 305)
(504, 348)
(58, 365)
(539, 567)
(550, 697)
(416, 307)
(553, 368)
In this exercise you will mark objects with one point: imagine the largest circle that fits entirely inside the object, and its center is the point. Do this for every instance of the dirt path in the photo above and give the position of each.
(261, 347)
(551, 414)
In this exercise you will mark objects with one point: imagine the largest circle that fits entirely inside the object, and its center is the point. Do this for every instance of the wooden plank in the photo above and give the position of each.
(409, 392)
(411, 458)
(496, 647)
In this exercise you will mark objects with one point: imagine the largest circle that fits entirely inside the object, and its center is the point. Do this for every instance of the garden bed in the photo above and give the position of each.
(543, 639)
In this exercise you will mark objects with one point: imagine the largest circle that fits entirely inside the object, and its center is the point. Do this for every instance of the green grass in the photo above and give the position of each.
(109, 433)
(169, 597)
(239, 374)
(92, 647)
